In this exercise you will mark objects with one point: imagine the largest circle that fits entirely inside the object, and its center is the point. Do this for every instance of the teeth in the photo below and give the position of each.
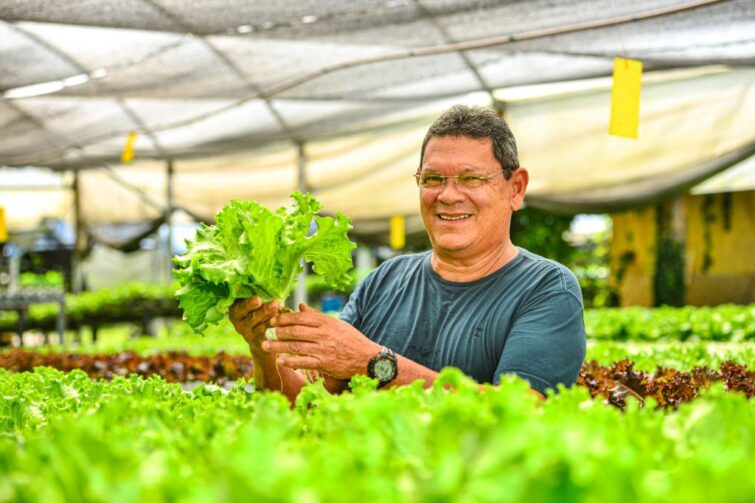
(461, 217)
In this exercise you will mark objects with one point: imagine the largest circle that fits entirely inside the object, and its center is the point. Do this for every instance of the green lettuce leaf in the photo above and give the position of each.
(254, 251)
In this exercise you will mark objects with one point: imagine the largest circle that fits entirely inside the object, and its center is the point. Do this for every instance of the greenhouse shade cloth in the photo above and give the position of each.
(230, 91)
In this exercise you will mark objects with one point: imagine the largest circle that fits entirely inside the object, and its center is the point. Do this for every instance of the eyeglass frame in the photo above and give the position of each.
(457, 178)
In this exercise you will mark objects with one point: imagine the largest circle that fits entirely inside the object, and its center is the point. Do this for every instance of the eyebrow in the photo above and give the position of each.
(469, 168)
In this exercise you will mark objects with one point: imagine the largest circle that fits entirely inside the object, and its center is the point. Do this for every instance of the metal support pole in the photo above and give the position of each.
(61, 322)
(80, 243)
(300, 294)
(169, 217)
(14, 268)
(23, 318)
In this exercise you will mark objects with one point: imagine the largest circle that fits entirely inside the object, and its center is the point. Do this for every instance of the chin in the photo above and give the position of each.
(450, 243)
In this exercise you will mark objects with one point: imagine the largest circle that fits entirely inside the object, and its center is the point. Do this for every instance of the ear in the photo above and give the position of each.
(518, 185)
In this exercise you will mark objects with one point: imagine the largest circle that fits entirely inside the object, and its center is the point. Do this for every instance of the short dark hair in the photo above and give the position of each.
(477, 122)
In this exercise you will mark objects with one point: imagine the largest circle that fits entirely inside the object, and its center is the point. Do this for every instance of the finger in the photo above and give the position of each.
(242, 307)
(304, 308)
(264, 313)
(235, 309)
(296, 348)
(296, 333)
(306, 319)
(299, 362)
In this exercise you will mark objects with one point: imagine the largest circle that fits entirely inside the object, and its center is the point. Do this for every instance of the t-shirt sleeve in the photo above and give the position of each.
(360, 299)
(546, 344)
(351, 312)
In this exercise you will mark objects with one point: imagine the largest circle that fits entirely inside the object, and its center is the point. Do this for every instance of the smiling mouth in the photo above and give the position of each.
(451, 218)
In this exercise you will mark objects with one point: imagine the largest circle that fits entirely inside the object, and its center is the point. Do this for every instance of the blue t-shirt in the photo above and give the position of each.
(525, 318)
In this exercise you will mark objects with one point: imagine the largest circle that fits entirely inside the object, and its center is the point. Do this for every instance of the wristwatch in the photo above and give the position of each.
(383, 366)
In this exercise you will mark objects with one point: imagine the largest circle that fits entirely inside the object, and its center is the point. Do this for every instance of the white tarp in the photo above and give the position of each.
(230, 90)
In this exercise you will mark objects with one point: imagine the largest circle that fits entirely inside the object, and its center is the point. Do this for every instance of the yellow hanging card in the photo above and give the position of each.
(398, 232)
(625, 98)
(3, 226)
(128, 150)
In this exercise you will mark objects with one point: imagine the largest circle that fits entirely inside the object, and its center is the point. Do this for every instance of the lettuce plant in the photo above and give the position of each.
(254, 251)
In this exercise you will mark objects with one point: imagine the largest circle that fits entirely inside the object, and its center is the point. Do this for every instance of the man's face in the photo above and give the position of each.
(466, 223)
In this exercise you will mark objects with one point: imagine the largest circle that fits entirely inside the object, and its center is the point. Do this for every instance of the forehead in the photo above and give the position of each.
(458, 152)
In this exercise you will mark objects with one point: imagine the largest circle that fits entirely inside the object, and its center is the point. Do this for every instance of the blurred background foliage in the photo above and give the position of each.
(555, 237)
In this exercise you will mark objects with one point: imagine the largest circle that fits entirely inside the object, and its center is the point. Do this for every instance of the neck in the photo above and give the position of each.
(464, 269)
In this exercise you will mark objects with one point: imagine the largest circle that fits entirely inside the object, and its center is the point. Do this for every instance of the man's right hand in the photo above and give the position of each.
(250, 318)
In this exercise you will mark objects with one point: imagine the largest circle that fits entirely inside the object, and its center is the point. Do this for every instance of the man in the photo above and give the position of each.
(475, 301)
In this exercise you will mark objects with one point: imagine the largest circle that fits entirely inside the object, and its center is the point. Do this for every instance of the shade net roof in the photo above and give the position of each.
(241, 96)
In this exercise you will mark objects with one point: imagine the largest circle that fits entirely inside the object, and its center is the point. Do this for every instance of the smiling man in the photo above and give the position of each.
(475, 301)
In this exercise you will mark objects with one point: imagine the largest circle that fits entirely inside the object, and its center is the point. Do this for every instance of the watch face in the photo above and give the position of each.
(384, 369)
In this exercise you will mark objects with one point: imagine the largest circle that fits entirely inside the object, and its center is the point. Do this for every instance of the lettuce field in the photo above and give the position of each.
(176, 418)
(68, 438)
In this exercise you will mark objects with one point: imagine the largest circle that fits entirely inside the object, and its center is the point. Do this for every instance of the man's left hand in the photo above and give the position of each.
(320, 342)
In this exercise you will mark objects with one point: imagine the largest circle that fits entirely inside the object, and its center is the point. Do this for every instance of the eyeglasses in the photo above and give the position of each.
(430, 180)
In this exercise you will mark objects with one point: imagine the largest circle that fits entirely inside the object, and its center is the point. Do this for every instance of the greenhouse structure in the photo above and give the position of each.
(165, 163)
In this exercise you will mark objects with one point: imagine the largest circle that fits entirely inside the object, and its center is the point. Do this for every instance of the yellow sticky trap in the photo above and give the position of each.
(3, 226)
(625, 98)
(398, 232)
(128, 150)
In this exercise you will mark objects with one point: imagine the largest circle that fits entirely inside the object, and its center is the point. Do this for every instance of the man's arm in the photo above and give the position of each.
(312, 340)
(250, 317)
(268, 375)
(410, 371)
(546, 344)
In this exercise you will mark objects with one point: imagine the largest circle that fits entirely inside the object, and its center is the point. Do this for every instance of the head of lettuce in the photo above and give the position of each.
(253, 251)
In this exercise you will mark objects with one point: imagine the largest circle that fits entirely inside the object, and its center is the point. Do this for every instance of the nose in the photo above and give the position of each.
(450, 192)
